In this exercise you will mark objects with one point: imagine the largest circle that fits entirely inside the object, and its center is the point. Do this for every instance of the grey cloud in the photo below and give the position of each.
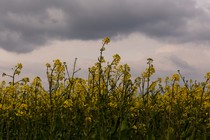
(187, 71)
(181, 64)
(27, 24)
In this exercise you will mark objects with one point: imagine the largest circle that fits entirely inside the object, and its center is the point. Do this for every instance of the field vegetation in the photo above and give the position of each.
(109, 104)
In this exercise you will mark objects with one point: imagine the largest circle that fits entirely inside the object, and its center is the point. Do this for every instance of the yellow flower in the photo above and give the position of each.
(67, 103)
(175, 77)
(112, 104)
(207, 76)
(57, 62)
(106, 40)
(134, 127)
(23, 106)
(26, 79)
(166, 79)
(88, 119)
(48, 65)
(19, 65)
(160, 80)
(20, 113)
(207, 104)
(137, 104)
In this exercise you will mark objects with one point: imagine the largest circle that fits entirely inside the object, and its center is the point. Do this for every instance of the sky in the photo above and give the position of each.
(174, 33)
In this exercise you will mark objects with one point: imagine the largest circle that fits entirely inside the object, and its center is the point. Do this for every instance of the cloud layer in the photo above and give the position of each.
(28, 24)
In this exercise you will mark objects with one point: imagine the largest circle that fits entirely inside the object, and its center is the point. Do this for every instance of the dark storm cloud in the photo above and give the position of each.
(28, 24)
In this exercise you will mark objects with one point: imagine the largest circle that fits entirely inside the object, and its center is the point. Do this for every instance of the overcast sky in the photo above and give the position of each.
(175, 33)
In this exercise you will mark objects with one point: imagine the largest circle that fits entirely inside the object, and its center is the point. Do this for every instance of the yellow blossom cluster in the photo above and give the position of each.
(109, 104)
